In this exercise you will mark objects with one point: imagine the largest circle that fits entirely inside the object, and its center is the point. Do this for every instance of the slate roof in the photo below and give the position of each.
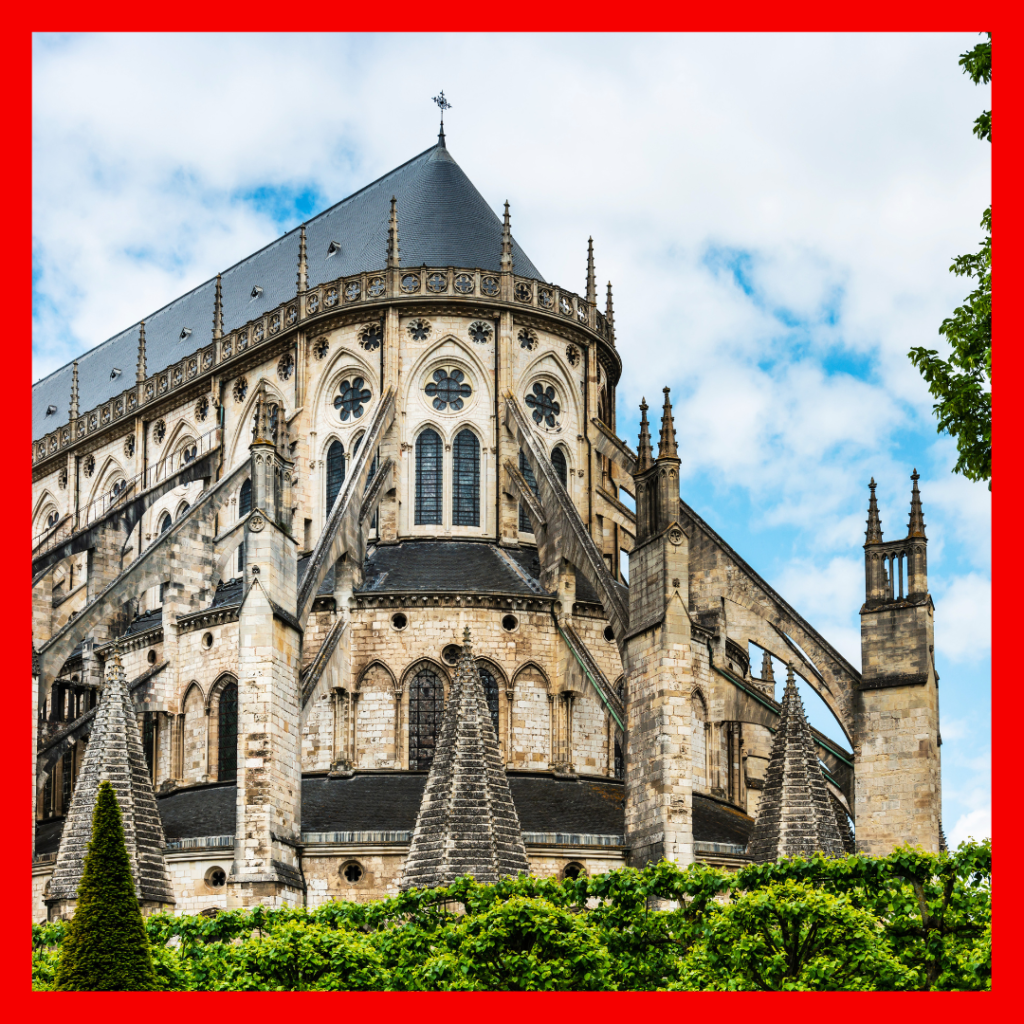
(389, 801)
(148, 620)
(442, 221)
(228, 592)
(447, 566)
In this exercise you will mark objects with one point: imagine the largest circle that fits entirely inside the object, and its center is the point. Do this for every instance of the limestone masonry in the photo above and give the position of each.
(256, 559)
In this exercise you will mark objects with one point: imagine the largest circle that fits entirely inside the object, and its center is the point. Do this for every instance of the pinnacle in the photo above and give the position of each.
(644, 453)
(667, 442)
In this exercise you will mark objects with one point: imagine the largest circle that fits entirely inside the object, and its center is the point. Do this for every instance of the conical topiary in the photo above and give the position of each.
(106, 948)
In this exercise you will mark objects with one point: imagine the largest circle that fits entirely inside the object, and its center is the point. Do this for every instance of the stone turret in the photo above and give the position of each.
(467, 822)
(114, 754)
(796, 814)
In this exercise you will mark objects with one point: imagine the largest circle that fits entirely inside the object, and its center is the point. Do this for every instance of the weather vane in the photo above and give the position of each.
(444, 105)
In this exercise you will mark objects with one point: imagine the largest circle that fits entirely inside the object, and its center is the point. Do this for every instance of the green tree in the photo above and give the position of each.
(962, 383)
(105, 946)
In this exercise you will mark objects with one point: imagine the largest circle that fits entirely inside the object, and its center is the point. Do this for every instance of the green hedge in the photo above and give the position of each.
(908, 921)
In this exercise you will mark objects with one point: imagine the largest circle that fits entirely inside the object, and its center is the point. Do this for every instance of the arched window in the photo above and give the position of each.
(227, 733)
(429, 479)
(244, 508)
(165, 522)
(620, 761)
(525, 525)
(426, 706)
(184, 508)
(335, 472)
(491, 693)
(558, 461)
(466, 479)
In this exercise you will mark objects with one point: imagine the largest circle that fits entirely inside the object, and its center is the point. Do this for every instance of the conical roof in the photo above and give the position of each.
(795, 815)
(467, 823)
(114, 754)
(442, 220)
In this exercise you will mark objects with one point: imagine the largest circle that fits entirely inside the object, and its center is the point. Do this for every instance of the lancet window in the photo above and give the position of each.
(429, 479)
(525, 525)
(466, 479)
(335, 472)
(561, 469)
(426, 706)
(227, 734)
(491, 693)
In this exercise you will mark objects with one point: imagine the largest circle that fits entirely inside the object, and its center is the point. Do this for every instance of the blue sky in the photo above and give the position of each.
(777, 215)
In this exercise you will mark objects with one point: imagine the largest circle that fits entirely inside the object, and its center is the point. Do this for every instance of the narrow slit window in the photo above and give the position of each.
(525, 524)
(491, 693)
(335, 472)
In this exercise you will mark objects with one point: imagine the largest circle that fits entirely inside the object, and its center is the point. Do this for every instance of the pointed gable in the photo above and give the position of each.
(467, 823)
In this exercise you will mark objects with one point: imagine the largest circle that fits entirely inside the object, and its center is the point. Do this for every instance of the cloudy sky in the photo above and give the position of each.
(777, 215)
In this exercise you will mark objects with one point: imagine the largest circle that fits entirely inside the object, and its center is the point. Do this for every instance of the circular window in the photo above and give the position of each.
(464, 283)
(375, 287)
(419, 329)
(527, 339)
(352, 872)
(216, 878)
(544, 404)
(480, 331)
(609, 635)
(151, 657)
(437, 283)
(399, 620)
(489, 286)
(411, 283)
(573, 870)
(286, 366)
(448, 389)
(352, 291)
(207, 640)
(321, 347)
(509, 623)
(450, 655)
(371, 337)
(351, 398)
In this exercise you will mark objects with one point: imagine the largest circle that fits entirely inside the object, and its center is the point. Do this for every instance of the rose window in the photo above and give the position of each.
(275, 323)
(480, 331)
(544, 405)
(351, 398)
(527, 339)
(240, 389)
(352, 291)
(489, 286)
(286, 366)
(331, 298)
(524, 293)
(411, 283)
(565, 306)
(544, 297)
(202, 408)
(375, 287)
(372, 337)
(257, 334)
(419, 330)
(464, 283)
(313, 303)
(437, 283)
(448, 389)
(321, 347)
(572, 353)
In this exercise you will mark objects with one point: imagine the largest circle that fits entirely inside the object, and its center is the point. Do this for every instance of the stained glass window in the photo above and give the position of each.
(429, 479)
(149, 738)
(491, 693)
(448, 389)
(351, 398)
(525, 525)
(227, 733)
(558, 461)
(165, 523)
(426, 706)
(466, 479)
(544, 404)
(335, 472)
(244, 508)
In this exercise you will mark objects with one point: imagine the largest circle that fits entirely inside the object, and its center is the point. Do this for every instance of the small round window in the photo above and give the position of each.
(574, 869)
(544, 404)
(151, 657)
(351, 398)
(207, 640)
(509, 623)
(216, 878)
(399, 620)
(352, 872)
(450, 655)
(448, 389)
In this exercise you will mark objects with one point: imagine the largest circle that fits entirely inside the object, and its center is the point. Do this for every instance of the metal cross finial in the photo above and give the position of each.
(443, 104)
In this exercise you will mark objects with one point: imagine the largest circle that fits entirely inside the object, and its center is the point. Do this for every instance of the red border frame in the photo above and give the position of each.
(576, 17)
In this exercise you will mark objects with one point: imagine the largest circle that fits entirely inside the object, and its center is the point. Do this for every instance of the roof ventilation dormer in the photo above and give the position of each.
(332, 249)
(256, 292)
(50, 410)
(115, 373)
(185, 332)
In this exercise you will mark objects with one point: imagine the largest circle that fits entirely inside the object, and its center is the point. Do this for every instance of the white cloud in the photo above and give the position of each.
(976, 824)
(963, 618)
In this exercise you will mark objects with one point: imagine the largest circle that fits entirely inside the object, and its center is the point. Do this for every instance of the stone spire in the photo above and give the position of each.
(644, 452)
(114, 755)
(609, 313)
(394, 249)
(767, 672)
(506, 242)
(467, 822)
(263, 432)
(796, 815)
(74, 390)
(303, 268)
(874, 530)
(218, 312)
(667, 441)
(916, 511)
(140, 366)
(591, 277)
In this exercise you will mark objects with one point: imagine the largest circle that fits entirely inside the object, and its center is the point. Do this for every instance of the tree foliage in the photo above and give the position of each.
(909, 921)
(105, 947)
(962, 383)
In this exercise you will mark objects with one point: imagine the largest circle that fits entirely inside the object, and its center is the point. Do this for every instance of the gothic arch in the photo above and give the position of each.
(104, 478)
(218, 685)
(531, 665)
(495, 669)
(548, 364)
(425, 662)
(345, 360)
(193, 685)
(450, 349)
(41, 501)
(376, 664)
(243, 426)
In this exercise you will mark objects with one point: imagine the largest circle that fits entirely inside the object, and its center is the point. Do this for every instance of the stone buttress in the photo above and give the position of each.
(114, 755)
(796, 814)
(659, 662)
(467, 823)
(896, 723)
(268, 819)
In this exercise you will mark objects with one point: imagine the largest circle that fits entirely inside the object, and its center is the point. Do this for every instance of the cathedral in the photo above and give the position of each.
(344, 577)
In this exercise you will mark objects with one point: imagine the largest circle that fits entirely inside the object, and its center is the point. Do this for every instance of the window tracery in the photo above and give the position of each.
(227, 733)
(419, 329)
(429, 479)
(525, 524)
(448, 389)
(351, 399)
(544, 404)
(466, 479)
(371, 337)
(480, 331)
(426, 707)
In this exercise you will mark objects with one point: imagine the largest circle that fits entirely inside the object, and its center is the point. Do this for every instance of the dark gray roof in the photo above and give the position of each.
(228, 592)
(442, 221)
(148, 620)
(389, 801)
(446, 566)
